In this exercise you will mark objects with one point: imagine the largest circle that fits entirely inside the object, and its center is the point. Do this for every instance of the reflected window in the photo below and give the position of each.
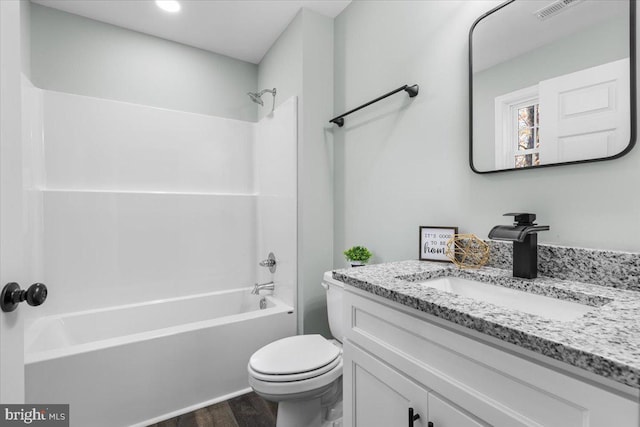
(527, 138)
(517, 142)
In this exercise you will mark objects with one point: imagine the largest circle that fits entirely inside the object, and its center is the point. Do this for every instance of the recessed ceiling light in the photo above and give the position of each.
(168, 5)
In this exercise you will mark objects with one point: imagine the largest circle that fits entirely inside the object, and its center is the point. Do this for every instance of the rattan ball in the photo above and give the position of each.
(467, 251)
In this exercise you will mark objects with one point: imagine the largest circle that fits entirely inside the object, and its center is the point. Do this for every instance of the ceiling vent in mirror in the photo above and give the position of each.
(554, 8)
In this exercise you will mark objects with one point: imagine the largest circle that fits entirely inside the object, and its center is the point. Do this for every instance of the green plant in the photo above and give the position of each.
(357, 253)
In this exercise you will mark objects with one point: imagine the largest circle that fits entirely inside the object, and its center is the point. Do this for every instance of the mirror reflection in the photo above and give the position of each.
(550, 83)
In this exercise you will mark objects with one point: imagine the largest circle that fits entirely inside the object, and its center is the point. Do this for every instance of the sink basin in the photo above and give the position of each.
(540, 305)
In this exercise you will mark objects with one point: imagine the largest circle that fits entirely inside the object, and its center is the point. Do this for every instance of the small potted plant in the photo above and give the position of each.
(357, 256)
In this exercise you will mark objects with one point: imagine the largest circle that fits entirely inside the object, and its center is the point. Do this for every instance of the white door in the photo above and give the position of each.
(585, 115)
(12, 259)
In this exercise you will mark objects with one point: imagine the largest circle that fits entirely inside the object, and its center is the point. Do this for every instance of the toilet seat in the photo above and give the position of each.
(294, 358)
(296, 390)
(294, 377)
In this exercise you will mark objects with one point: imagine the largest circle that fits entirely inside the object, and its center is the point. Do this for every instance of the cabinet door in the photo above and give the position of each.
(376, 395)
(442, 414)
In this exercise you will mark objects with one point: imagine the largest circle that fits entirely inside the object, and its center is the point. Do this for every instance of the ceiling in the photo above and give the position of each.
(514, 30)
(241, 29)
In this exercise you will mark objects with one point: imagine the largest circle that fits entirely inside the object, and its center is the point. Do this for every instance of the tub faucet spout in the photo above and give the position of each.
(269, 286)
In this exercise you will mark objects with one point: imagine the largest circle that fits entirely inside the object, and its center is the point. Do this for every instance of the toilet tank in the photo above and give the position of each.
(334, 290)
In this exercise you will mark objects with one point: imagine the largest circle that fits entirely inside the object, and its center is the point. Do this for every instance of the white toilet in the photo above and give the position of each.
(304, 373)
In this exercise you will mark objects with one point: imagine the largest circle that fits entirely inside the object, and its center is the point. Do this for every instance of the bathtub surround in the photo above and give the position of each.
(125, 209)
(387, 156)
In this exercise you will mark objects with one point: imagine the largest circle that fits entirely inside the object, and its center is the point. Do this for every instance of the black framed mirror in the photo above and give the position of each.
(551, 83)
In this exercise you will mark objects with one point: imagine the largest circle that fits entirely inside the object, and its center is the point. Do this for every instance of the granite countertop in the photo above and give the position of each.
(605, 341)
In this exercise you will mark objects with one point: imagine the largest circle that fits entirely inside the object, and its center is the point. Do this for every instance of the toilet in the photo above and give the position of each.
(303, 373)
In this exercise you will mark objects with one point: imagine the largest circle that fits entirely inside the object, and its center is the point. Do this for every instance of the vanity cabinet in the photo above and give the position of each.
(382, 396)
(397, 358)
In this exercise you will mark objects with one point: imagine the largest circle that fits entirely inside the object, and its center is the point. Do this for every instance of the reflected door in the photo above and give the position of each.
(585, 115)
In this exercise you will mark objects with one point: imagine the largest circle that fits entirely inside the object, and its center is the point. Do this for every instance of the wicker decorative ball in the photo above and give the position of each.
(467, 251)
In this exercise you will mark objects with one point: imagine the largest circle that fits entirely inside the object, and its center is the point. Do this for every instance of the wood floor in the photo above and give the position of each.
(248, 410)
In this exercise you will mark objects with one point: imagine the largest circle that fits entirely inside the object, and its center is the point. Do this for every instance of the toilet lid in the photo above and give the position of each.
(293, 355)
(336, 364)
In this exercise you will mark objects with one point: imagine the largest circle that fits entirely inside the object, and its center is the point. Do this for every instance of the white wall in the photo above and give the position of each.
(315, 169)
(281, 67)
(301, 63)
(78, 55)
(404, 163)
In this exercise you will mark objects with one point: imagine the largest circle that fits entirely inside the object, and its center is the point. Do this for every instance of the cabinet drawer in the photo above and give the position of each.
(497, 386)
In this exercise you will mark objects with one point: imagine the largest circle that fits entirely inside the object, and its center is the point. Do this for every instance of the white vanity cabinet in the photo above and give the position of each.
(382, 396)
(397, 358)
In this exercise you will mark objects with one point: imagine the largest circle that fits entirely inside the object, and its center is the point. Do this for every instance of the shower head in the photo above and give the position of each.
(257, 96)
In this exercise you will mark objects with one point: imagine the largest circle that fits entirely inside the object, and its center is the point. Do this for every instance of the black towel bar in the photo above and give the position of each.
(411, 90)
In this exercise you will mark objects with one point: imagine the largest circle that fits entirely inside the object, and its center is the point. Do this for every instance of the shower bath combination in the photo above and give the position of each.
(257, 97)
(213, 303)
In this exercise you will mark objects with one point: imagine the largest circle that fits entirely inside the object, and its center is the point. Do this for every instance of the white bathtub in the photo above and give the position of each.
(141, 363)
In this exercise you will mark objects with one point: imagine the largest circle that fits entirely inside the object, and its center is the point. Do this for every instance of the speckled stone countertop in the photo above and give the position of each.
(605, 341)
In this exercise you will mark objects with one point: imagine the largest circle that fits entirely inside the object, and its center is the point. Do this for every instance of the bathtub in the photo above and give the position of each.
(141, 363)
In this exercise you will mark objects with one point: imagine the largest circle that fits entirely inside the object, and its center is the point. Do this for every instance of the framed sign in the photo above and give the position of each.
(433, 242)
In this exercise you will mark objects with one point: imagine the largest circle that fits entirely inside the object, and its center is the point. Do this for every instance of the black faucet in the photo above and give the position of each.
(523, 234)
